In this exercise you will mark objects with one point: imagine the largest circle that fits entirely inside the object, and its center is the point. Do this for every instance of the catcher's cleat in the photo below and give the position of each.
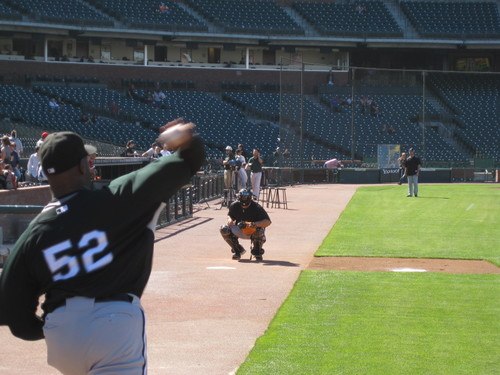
(237, 253)
(257, 253)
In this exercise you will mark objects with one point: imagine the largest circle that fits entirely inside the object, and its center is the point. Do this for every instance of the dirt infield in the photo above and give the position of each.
(204, 310)
(403, 265)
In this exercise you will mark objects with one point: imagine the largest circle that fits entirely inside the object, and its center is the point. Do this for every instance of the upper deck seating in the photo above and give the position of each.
(365, 18)
(7, 12)
(454, 19)
(66, 12)
(249, 16)
(151, 14)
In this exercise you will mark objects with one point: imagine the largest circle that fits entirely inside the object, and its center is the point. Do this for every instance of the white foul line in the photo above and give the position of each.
(408, 270)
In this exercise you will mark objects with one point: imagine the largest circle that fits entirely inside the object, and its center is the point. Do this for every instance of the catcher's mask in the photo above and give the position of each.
(245, 197)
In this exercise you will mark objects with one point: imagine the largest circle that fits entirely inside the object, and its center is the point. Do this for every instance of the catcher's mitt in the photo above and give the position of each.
(247, 227)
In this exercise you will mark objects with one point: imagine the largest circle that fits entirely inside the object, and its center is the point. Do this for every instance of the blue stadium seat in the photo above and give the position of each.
(7, 12)
(366, 18)
(454, 19)
(475, 101)
(148, 14)
(249, 16)
(66, 12)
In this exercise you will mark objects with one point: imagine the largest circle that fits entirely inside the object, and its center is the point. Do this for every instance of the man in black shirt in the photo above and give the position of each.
(412, 170)
(255, 164)
(246, 219)
(90, 253)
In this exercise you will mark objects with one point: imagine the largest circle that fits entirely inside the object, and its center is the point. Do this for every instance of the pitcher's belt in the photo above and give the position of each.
(124, 297)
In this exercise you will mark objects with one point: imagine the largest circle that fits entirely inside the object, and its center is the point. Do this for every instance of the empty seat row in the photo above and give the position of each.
(68, 11)
(254, 119)
(450, 19)
(349, 18)
(151, 13)
(247, 16)
(454, 19)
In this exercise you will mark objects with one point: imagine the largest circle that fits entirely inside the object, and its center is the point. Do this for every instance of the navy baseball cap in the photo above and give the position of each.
(63, 150)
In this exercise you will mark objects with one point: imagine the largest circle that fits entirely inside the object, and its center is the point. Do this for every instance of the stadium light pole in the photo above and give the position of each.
(423, 114)
(280, 123)
(45, 50)
(302, 119)
(281, 96)
(352, 115)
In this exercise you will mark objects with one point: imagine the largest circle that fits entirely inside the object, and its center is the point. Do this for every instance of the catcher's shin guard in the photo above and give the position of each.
(230, 238)
(258, 239)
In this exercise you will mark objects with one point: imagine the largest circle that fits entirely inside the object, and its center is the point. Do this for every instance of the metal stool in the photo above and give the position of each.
(264, 195)
(278, 197)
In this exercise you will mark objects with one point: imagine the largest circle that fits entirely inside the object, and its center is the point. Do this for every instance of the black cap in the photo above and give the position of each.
(61, 151)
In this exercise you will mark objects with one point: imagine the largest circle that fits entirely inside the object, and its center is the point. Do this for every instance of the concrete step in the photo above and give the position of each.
(212, 28)
(309, 30)
(404, 23)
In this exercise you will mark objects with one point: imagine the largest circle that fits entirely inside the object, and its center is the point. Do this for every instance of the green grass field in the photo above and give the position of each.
(383, 323)
(445, 221)
(395, 323)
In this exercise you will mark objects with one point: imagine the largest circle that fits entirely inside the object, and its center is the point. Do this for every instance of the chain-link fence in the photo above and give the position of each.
(449, 118)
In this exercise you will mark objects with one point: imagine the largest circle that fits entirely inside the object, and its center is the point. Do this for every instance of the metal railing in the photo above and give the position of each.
(20, 209)
(179, 207)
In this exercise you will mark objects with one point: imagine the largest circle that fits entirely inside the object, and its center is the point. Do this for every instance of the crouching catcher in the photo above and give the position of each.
(247, 220)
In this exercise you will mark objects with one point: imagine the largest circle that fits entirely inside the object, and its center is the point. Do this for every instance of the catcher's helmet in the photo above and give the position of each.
(245, 197)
